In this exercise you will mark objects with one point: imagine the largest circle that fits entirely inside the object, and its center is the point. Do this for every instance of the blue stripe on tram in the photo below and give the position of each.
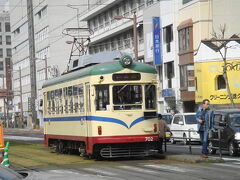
(98, 118)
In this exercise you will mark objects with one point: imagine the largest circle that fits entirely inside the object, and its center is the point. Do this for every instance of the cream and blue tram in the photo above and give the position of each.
(106, 110)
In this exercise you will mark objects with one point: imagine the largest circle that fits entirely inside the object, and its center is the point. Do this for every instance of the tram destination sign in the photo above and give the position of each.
(126, 77)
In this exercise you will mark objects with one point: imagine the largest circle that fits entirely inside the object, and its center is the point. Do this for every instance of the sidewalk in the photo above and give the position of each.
(189, 158)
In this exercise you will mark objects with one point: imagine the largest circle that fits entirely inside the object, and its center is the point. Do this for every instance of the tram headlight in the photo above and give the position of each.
(237, 136)
(126, 61)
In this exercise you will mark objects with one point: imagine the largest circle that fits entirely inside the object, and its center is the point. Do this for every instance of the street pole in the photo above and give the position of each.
(46, 68)
(4, 106)
(32, 61)
(21, 101)
(135, 36)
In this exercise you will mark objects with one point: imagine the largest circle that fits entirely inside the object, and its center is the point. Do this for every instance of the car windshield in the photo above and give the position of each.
(235, 119)
(190, 119)
(167, 118)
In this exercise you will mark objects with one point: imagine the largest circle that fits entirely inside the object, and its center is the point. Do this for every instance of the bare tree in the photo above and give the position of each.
(221, 46)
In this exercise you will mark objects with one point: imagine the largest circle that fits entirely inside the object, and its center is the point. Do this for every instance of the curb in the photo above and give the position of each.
(193, 159)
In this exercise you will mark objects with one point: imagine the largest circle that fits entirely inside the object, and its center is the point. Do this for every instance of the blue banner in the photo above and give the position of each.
(157, 41)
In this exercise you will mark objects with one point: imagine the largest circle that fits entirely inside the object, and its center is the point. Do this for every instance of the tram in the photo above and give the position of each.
(103, 110)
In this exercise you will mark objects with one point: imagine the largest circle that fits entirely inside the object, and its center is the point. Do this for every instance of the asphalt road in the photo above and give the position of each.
(143, 168)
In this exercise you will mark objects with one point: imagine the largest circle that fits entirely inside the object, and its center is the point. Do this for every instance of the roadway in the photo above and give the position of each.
(143, 168)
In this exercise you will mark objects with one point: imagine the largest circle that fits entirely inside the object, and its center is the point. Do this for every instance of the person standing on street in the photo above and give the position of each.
(163, 128)
(204, 117)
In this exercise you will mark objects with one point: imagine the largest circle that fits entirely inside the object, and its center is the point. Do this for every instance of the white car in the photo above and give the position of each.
(181, 125)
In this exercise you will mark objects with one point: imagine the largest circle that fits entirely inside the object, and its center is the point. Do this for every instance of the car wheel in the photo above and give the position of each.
(185, 140)
(231, 149)
(172, 141)
(210, 148)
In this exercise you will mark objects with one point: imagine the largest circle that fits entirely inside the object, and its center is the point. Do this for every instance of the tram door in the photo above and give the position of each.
(87, 106)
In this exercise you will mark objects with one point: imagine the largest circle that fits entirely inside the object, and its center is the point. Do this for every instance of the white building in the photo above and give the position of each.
(169, 83)
(51, 17)
(112, 34)
(5, 51)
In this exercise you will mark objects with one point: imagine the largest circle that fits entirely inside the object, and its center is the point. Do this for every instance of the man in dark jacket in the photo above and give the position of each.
(163, 128)
(204, 117)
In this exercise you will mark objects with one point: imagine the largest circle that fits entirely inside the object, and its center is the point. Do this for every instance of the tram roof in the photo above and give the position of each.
(103, 68)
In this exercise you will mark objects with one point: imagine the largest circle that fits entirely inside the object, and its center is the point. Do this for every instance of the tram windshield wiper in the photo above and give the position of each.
(122, 88)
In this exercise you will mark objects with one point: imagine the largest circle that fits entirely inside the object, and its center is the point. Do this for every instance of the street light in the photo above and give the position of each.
(134, 19)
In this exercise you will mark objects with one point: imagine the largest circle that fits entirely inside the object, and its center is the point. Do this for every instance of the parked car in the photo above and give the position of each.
(228, 121)
(181, 124)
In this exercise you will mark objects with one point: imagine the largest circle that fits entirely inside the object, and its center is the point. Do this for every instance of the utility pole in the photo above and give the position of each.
(21, 100)
(32, 61)
(4, 105)
(135, 36)
(135, 39)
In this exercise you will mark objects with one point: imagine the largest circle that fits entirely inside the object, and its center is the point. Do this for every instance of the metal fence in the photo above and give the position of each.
(190, 139)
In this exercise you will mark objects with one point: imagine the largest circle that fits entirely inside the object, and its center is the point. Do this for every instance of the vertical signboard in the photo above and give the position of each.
(157, 41)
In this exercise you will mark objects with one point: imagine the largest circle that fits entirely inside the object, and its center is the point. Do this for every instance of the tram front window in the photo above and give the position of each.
(127, 97)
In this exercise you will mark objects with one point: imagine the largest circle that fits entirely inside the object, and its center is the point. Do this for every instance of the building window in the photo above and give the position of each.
(0, 27)
(185, 1)
(42, 34)
(42, 54)
(9, 52)
(221, 84)
(149, 2)
(42, 13)
(183, 76)
(141, 4)
(168, 37)
(184, 39)
(7, 27)
(169, 72)
(140, 35)
(0, 40)
(1, 53)
(8, 40)
(1, 65)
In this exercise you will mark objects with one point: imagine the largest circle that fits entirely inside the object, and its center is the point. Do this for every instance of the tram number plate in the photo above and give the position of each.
(148, 138)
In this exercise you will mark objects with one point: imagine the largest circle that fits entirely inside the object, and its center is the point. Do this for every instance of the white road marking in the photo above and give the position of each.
(236, 163)
(166, 167)
(99, 171)
(23, 138)
(231, 159)
(61, 171)
(228, 165)
(132, 168)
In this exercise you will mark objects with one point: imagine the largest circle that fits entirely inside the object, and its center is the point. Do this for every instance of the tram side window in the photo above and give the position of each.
(53, 102)
(150, 96)
(75, 98)
(65, 93)
(57, 100)
(70, 98)
(102, 97)
(48, 102)
(81, 98)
